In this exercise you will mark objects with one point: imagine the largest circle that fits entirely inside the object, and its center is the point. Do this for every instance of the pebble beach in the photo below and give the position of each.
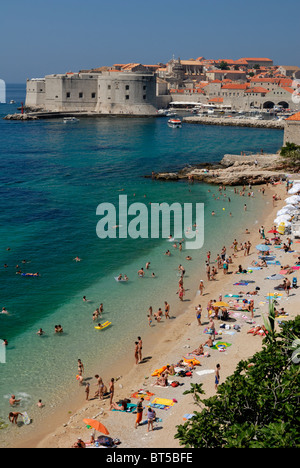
(174, 341)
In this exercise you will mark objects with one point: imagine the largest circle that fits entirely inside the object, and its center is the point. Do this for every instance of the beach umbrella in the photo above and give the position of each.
(290, 207)
(263, 247)
(96, 425)
(221, 304)
(293, 200)
(275, 277)
(287, 212)
(273, 231)
(294, 190)
(282, 219)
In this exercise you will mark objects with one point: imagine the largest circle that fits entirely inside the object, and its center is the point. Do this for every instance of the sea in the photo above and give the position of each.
(53, 176)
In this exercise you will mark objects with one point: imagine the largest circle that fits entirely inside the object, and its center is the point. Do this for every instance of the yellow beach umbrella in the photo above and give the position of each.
(220, 304)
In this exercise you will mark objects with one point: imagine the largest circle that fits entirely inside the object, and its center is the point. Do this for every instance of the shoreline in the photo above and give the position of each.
(166, 347)
(234, 122)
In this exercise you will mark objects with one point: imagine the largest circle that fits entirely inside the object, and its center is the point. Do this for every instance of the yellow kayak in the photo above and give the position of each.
(106, 324)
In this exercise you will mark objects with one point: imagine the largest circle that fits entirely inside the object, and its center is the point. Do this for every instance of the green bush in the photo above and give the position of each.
(257, 406)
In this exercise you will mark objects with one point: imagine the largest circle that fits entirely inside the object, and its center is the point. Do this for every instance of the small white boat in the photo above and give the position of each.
(12, 102)
(174, 123)
(70, 120)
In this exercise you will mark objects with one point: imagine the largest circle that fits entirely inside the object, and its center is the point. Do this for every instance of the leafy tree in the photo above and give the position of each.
(291, 153)
(223, 65)
(257, 406)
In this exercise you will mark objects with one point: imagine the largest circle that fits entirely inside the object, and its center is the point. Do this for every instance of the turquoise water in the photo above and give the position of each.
(52, 178)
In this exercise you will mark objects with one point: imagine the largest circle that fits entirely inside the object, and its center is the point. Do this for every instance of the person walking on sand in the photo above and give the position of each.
(198, 314)
(201, 288)
(208, 271)
(217, 376)
(136, 352)
(140, 348)
(87, 391)
(151, 416)
(167, 310)
(111, 390)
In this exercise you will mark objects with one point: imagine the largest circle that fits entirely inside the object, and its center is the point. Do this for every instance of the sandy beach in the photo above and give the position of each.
(173, 341)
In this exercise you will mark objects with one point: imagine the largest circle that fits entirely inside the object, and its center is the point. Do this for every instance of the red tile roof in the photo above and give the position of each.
(295, 117)
(289, 90)
(235, 86)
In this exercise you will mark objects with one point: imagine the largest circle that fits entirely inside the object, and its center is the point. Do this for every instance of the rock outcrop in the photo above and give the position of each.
(232, 170)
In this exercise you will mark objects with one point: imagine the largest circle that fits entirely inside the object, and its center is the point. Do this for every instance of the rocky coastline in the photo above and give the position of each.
(232, 170)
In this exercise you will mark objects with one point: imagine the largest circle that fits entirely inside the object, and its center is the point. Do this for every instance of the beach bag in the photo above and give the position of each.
(175, 384)
(105, 441)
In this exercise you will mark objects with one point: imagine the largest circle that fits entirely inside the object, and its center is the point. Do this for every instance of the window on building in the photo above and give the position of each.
(109, 87)
(93, 95)
(68, 95)
(127, 97)
(80, 95)
(144, 97)
(144, 88)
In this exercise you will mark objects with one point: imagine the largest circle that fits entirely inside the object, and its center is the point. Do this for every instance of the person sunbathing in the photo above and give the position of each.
(259, 330)
(122, 407)
(162, 381)
(198, 351)
(209, 342)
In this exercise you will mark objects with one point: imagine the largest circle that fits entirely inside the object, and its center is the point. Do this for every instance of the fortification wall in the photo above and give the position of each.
(36, 93)
(126, 93)
(292, 132)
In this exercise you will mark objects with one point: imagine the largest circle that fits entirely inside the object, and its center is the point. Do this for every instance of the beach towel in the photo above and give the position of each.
(142, 394)
(220, 345)
(205, 372)
(26, 418)
(233, 295)
(188, 416)
(163, 401)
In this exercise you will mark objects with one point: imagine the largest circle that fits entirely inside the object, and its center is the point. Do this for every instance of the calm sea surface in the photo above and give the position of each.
(52, 178)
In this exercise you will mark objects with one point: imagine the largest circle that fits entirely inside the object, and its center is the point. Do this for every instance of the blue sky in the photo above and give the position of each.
(44, 37)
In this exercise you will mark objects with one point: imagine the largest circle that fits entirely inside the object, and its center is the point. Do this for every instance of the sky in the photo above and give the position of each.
(44, 37)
